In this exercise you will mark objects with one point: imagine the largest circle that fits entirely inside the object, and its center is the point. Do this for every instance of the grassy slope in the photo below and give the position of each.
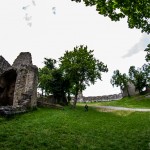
(132, 102)
(75, 129)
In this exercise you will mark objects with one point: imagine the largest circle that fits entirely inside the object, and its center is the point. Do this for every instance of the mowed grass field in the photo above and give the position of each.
(72, 129)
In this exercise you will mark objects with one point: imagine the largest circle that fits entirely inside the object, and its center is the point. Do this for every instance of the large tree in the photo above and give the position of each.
(81, 68)
(120, 80)
(136, 11)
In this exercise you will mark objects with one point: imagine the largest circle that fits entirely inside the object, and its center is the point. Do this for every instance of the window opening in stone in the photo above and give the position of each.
(7, 87)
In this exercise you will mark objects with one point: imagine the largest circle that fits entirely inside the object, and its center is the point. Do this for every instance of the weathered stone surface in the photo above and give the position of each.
(24, 58)
(82, 98)
(18, 83)
(26, 86)
(131, 89)
(4, 65)
(8, 111)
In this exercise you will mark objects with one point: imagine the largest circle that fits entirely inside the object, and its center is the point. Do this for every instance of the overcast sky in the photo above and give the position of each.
(47, 28)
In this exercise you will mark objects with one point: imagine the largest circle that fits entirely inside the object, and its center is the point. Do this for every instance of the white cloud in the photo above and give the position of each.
(140, 46)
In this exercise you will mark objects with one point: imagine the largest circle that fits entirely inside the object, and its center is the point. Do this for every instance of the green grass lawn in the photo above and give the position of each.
(131, 102)
(69, 129)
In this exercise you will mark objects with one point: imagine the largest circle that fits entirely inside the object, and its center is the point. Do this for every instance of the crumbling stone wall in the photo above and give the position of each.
(26, 86)
(4, 65)
(131, 89)
(18, 83)
(99, 98)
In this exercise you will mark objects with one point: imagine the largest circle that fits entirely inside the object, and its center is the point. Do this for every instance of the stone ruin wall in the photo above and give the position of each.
(4, 65)
(131, 89)
(18, 83)
(99, 98)
(26, 83)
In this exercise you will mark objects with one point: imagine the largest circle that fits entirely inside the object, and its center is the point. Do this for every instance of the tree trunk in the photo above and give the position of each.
(75, 99)
(64, 99)
(128, 92)
(68, 97)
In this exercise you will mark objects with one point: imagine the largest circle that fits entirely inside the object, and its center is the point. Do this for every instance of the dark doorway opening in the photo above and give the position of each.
(7, 87)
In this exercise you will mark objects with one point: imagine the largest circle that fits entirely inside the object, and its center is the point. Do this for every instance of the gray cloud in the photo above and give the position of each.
(140, 46)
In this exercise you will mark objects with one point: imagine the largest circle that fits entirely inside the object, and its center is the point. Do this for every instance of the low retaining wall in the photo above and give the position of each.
(100, 98)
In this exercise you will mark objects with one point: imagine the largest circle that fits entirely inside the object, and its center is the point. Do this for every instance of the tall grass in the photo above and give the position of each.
(68, 129)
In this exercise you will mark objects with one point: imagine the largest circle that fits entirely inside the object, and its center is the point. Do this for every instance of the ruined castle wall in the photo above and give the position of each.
(26, 83)
(23, 59)
(4, 65)
(100, 98)
(19, 86)
(31, 84)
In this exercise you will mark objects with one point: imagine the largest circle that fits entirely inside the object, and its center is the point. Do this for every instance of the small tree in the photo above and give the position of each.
(120, 80)
(44, 75)
(81, 68)
(52, 81)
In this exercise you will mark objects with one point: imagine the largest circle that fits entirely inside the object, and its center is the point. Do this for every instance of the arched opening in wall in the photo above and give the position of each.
(7, 87)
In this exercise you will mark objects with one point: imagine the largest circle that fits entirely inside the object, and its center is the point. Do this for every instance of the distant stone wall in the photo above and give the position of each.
(100, 98)
(49, 99)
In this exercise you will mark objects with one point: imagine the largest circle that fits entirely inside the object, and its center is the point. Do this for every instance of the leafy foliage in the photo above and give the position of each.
(58, 86)
(50, 63)
(121, 80)
(136, 11)
(138, 78)
(81, 68)
(146, 71)
(147, 57)
(44, 77)
(51, 81)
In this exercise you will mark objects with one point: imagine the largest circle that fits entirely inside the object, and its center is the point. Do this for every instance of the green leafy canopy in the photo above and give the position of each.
(136, 11)
(81, 68)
